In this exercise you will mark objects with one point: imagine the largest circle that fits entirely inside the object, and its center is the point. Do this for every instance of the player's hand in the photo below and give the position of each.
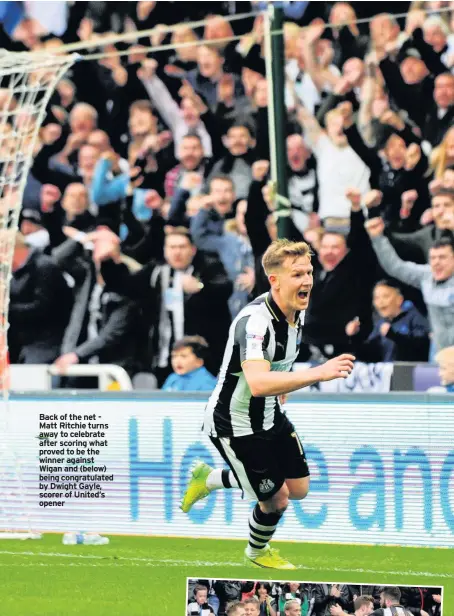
(335, 592)
(336, 610)
(375, 227)
(337, 368)
(352, 328)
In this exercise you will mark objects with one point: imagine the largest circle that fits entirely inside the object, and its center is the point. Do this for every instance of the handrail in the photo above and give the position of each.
(105, 372)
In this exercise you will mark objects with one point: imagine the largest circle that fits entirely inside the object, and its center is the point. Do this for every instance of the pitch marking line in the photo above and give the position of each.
(151, 562)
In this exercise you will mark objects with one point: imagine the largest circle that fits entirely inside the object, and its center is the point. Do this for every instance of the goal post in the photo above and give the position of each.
(27, 82)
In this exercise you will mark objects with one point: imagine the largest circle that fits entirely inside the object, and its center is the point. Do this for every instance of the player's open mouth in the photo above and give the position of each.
(303, 294)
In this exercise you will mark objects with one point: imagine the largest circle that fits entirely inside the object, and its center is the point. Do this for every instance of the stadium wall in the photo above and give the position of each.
(382, 468)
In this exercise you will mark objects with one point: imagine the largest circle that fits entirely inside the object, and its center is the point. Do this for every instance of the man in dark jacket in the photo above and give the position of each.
(104, 326)
(418, 83)
(328, 595)
(400, 333)
(339, 294)
(185, 295)
(40, 302)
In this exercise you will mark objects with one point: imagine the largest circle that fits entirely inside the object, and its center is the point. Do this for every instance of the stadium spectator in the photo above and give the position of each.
(338, 166)
(419, 601)
(415, 246)
(237, 608)
(295, 591)
(199, 605)
(237, 157)
(302, 183)
(180, 120)
(435, 280)
(400, 333)
(104, 327)
(32, 228)
(188, 292)
(252, 607)
(387, 95)
(191, 159)
(228, 591)
(328, 595)
(59, 211)
(363, 606)
(445, 361)
(189, 373)
(40, 303)
(266, 604)
(338, 274)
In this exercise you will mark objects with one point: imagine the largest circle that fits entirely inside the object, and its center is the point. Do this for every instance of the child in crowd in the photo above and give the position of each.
(189, 372)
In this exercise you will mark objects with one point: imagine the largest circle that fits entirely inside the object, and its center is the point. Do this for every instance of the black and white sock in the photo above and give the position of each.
(261, 530)
(221, 478)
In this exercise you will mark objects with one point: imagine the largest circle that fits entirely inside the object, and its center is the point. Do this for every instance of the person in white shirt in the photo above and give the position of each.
(182, 119)
(338, 166)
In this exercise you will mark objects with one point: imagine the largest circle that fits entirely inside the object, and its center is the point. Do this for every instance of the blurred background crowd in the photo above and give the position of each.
(245, 598)
(148, 205)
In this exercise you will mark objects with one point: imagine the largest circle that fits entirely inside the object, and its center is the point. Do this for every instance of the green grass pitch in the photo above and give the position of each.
(146, 576)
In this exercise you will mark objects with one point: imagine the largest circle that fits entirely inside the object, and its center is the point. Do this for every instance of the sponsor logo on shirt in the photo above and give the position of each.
(254, 337)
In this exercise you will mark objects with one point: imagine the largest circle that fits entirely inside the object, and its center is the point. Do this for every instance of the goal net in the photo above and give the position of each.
(27, 82)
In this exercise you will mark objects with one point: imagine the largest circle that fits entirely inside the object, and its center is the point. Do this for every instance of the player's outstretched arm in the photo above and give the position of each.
(263, 382)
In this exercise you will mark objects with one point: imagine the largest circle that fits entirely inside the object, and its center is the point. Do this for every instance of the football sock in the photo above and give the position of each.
(261, 530)
(221, 478)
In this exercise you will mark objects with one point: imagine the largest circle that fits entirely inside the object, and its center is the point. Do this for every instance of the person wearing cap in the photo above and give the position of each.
(31, 227)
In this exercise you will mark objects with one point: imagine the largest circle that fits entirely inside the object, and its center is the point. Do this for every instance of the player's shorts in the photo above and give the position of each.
(262, 462)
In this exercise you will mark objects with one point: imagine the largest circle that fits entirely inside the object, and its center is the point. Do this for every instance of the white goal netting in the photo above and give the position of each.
(27, 82)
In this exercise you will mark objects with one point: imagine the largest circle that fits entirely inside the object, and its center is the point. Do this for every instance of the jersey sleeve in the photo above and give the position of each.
(252, 335)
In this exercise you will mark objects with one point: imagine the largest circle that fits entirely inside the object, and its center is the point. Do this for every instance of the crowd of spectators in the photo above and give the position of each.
(147, 207)
(251, 598)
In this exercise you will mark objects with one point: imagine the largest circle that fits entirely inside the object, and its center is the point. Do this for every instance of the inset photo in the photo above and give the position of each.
(282, 598)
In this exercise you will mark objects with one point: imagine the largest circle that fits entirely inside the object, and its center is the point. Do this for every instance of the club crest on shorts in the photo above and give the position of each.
(266, 485)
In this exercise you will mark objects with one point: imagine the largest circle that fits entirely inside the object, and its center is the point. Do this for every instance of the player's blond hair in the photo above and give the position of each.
(280, 250)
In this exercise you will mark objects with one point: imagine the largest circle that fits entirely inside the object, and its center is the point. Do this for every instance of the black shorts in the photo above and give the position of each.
(262, 462)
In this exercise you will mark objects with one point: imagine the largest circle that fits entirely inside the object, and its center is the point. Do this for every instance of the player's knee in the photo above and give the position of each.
(299, 493)
(280, 502)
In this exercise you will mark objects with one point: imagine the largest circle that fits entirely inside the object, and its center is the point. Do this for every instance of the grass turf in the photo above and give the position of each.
(146, 576)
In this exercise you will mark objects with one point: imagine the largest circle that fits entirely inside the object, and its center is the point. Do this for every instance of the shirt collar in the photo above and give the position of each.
(276, 312)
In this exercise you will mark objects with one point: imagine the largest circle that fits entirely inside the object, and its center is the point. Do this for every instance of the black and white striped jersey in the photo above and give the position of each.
(260, 331)
(395, 610)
